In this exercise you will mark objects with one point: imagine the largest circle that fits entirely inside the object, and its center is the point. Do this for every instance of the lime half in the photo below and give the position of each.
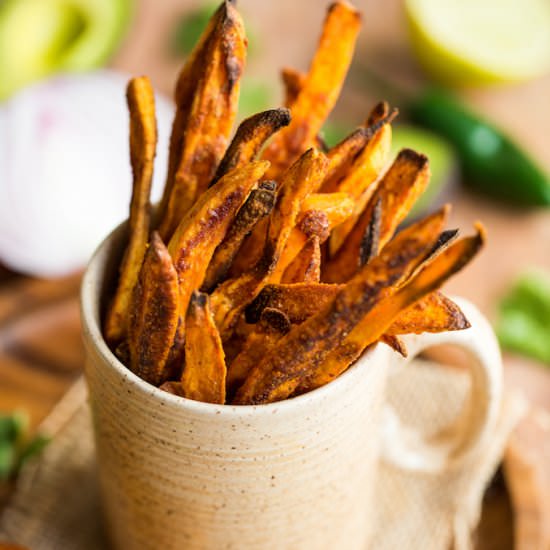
(473, 42)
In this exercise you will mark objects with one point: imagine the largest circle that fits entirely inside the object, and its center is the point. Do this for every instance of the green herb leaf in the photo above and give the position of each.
(524, 322)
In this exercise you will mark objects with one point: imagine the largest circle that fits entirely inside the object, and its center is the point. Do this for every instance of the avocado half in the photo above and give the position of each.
(39, 37)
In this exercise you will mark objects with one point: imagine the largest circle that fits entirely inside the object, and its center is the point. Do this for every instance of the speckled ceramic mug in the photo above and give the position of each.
(298, 474)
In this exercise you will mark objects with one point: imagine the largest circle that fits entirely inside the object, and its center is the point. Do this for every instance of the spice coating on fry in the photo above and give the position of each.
(231, 309)
(153, 313)
(143, 140)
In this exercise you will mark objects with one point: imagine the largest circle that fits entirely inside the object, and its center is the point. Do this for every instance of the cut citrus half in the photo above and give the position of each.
(469, 42)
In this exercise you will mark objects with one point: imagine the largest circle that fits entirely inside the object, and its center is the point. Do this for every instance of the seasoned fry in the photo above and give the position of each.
(370, 241)
(395, 343)
(307, 345)
(258, 205)
(271, 327)
(373, 325)
(204, 227)
(293, 82)
(153, 314)
(398, 190)
(337, 206)
(306, 267)
(204, 373)
(172, 387)
(206, 95)
(143, 143)
(302, 178)
(251, 134)
(379, 113)
(297, 301)
(321, 213)
(357, 161)
(341, 155)
(434, 313)
(230, 298)
(320, 89)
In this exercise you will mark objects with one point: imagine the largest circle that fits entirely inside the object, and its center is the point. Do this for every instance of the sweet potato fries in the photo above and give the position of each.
(273, 264)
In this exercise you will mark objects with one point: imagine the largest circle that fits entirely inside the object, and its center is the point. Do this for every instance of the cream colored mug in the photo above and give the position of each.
(297, 474)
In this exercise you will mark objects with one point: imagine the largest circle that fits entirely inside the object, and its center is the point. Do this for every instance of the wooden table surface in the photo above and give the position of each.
(35, 371)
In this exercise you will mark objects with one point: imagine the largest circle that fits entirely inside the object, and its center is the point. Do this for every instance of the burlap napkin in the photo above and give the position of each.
(56, 505)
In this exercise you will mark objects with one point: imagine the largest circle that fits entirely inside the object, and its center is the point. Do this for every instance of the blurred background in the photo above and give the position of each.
(471, 80)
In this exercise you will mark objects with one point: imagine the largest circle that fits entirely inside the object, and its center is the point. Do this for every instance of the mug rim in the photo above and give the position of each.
(93, 335)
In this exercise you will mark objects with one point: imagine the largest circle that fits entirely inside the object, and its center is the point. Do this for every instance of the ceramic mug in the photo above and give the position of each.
(297, 474)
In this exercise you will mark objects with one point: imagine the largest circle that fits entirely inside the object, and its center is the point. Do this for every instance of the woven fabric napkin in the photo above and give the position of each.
(56, 504)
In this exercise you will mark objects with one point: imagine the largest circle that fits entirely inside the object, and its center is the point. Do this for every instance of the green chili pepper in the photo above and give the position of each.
(490, 161)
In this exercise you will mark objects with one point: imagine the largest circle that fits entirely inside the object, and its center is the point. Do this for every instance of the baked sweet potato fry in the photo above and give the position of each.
(271, 327)
(205, 225)
(258, 205)
(301, 179)
(153, 313)
(395, 343)
(206, 109)
(306, 266)
(320, 89)
(204, 374)
(230, 298)
(341, 155)
(320, 214)
(251, 135)
(434, 313)
(306, 347)
(428, 279)
(402, 184)
(143, 141)
(297, 301)
(370, 241)
(379, 113)
(293, 82)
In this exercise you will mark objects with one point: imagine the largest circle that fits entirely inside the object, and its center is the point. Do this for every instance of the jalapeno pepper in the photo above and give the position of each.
(490, 161)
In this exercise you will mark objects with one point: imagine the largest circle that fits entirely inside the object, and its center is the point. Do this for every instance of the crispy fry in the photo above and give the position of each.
(373, 325)
(297, 301)
(341, 155)
(143, 142)
(320, 89)
(357, 161)
(293, 82)
(206, 109)
(301, 179)
(306, 267)
(307, 345)
(379, 112)
(153, 315)
(320, 214)
(401, 186)
(271, 327)
(370, 241)
(434, 313)
(204, 227)
(230, 298)
(258, 205)
(251, 134)
(251, 250)
(204, 374)
(398, 190)
(395, 343)
(172, 387)
(337, 206)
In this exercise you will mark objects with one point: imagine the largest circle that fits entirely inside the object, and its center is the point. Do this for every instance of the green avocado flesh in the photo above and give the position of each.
(39, 37)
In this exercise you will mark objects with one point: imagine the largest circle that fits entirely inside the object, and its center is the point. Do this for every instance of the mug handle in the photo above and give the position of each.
(408, 449)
